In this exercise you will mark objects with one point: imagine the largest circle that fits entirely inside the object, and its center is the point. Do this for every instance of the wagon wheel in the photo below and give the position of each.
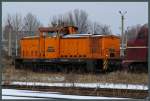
(142, 67)
(133, 67)
(34, 69)
(130, 68)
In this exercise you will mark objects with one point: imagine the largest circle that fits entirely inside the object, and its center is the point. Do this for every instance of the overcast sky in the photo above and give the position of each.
(102, 12)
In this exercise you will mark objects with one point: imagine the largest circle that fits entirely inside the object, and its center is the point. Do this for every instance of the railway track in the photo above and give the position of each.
(109, 92)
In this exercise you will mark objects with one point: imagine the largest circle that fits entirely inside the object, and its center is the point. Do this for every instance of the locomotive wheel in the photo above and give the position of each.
(34, 69)
(90, 66)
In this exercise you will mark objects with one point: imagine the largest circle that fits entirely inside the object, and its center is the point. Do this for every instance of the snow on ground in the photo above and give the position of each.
(28, 94)
(86, 85)
(17, 97)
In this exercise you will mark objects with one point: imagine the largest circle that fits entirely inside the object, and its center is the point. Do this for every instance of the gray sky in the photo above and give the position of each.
(102, 12)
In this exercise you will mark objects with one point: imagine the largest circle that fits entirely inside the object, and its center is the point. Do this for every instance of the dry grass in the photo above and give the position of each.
(27, 75)
(11, 74)
(115, 77)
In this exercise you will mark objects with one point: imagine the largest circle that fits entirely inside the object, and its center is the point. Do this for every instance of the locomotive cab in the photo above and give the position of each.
(57, 31)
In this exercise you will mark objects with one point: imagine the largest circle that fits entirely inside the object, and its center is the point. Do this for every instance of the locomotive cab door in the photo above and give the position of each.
(42, 44)
(94, 47)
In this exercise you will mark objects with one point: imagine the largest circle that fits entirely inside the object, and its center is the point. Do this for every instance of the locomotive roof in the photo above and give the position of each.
(31, 37)
(87, 35)
(77, 36)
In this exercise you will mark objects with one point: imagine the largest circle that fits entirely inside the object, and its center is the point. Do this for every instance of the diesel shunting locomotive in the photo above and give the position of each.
(63, 49)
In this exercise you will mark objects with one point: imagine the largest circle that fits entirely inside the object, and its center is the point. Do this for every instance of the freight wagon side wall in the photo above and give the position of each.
(137, 54)
(138, 46)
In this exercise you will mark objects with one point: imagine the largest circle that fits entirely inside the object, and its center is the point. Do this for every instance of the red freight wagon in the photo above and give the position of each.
(137, 52)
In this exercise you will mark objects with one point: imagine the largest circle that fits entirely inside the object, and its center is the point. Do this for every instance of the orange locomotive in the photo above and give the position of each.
(61, 48)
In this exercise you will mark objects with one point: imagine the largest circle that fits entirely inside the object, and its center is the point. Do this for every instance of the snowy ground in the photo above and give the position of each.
(28, 94)
(86, 85)
(18, 97)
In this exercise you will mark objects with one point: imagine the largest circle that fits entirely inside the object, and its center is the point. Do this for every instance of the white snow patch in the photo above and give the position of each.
(27, 94)
(18, 97)
(86, 85)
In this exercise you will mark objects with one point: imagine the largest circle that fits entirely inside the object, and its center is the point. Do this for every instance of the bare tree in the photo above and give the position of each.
(106, 30)
(7, 26)
(97, 28)
(12, 26)
(145, 25)
(17, 26)
(77, 18)
(15, 23)
(132, 32)
(7, 35)
(80, 19)
(2, 35)
(58, 20)
(31, 23)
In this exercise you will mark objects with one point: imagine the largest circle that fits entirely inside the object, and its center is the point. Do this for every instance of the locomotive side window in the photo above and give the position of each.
(51, 34)
(44, 33)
